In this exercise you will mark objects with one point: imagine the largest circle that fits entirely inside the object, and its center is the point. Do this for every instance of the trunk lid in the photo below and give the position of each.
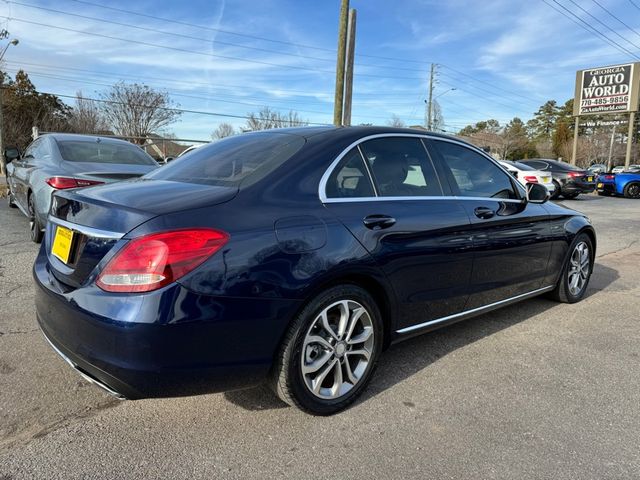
(105, 172)
(86, 224)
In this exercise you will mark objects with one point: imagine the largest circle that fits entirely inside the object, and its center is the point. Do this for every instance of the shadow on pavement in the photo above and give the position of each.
(405, 359)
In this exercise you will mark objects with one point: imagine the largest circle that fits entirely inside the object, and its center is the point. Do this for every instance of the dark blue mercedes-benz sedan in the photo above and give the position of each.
(294, 257)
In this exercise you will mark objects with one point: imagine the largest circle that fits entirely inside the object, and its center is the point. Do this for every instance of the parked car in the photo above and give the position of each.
(617, 169)
(294, 256)
(570, 181)
(597, 168)
(627, 184)
(61, 161)
(526, 174)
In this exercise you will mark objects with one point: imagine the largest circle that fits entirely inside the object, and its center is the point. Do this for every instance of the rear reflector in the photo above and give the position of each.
(62, 183)
(530, 179)
(153, 261)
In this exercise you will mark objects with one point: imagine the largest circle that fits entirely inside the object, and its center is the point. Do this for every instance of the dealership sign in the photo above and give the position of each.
(611, 89)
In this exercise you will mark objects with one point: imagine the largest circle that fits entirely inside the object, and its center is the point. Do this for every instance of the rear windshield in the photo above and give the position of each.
(239, 159)
(522, 166)
(566, 166)
(103, 152)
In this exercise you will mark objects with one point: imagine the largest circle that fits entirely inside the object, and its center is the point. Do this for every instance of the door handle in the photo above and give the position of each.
(377, 222)
(484, 212)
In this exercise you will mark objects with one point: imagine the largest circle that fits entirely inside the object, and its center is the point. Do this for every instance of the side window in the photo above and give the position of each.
(401, 167)
(350, 178)
(472, 174)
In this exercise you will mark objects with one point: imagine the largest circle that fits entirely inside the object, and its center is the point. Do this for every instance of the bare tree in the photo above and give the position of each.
(86, 116)
(396, 121)
(136, 110)
(223, 130)
(437, 119)
(266, 119)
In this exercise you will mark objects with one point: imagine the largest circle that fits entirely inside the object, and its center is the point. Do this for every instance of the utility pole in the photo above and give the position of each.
(342, 41)
(430, 101)
(348, 76)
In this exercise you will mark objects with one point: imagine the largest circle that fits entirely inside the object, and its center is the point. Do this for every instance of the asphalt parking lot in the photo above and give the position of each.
(535, 390)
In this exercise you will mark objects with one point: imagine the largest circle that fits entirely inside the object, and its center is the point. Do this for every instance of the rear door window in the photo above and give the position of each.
(401, 167)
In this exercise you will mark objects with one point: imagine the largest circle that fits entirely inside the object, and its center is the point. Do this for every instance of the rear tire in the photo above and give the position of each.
(34, 223)
(576, 271)
(632, 190)
(557, 191)
(330, 351)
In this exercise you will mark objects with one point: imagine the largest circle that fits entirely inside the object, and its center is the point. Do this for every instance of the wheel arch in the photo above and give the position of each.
(379, 291)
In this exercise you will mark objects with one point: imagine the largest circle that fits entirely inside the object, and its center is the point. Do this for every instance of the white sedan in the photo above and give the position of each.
(526, 174)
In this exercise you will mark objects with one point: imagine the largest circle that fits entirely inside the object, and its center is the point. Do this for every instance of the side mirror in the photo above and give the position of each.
(11, 154)
(168, 159)
(537, 193)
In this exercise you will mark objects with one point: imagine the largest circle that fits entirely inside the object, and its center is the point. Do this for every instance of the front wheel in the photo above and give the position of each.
(632, 190)
(330, 351)
(576, 272)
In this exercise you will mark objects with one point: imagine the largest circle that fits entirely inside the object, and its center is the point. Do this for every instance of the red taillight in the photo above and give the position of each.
(61, 183)
(609, 177)
(575, 174)
(530, 179)
(153, 261)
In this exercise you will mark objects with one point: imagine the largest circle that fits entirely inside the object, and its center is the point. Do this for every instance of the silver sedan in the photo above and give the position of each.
(60, 161)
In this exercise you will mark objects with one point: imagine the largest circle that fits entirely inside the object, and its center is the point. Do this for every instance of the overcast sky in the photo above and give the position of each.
(504, 58)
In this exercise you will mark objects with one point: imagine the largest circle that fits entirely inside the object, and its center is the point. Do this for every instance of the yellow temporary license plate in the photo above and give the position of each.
(600, 185)
(589, 179)
(546, 180)
(62, 243)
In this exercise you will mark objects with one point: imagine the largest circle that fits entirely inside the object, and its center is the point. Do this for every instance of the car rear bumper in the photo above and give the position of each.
(606, 187)
(573, 187)
(195, 344)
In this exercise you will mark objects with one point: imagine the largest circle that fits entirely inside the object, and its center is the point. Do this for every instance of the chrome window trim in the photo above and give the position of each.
(473, 310)
(325, 177)
(369, 172)
(439, 197)
(89, 231)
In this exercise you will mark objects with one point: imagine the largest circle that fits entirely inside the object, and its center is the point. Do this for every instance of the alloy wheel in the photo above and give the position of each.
(579, 268)
(337, 349)
(634, 190)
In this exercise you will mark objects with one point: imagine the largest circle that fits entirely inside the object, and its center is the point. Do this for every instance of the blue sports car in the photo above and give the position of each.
(294, 257)
(625, 183)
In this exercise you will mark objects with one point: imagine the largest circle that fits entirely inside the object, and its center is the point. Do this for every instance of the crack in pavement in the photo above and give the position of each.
(19, 332)
(25, 437)
(619, 250)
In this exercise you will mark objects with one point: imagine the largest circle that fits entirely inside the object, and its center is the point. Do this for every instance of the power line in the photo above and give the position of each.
(604, 24)
(195, 52)
(634, 4)
(588, 27)
(615, 17)
(493, 85)
(263, 103)
(201, 39)
(169, 109)
(229, 32)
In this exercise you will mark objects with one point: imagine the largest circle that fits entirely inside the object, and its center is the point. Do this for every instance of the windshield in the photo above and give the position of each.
(103, 152)
(244, 158)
